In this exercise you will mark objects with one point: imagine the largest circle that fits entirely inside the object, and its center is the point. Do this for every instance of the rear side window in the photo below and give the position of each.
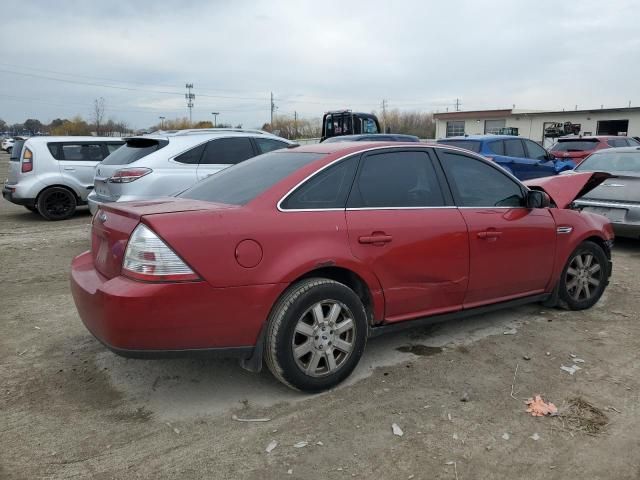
(269, 144)
(617, 142)
(88, 152)
(396, 180)
(535, 150)
(242, 183)
(514, 148)
(476, 184)
(227, 151)
(192, 156)
(134, 149)
(497, 147)
(328, 189)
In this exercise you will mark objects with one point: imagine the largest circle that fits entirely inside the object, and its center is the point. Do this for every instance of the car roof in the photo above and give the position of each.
(174, 135)
(480, 137)
(617, 150)
(591, 137)
(345, 148)
(44, 139)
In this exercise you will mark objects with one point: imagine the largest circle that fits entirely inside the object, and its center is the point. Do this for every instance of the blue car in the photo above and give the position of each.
(522, 157)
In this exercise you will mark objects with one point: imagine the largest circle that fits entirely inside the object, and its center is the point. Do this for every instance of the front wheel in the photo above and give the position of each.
(316, 334)
(585, 276)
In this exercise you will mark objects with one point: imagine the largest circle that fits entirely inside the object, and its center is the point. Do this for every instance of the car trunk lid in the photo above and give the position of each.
(114, 223)
(618, 188)
(564, 189)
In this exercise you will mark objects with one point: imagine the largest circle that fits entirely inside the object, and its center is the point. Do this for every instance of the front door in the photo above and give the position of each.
(512, 247)
(402, 224)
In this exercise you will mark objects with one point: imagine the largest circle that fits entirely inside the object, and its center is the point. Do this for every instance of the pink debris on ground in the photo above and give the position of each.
(538, 408)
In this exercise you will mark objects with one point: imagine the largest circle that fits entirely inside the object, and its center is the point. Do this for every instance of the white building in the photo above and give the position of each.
(532, 124)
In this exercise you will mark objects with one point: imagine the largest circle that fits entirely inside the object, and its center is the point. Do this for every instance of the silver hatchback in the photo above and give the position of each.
(54, 175)
(166, 163)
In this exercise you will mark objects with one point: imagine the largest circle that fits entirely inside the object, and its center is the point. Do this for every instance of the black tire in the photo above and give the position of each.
(31, 209)
(56, 203)
(9, 150)
(584, 277)
(292, 310)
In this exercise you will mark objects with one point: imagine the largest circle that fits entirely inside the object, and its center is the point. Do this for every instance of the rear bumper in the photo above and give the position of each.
(9, 194)
(94, 202)
(626, 224)
(145, 320)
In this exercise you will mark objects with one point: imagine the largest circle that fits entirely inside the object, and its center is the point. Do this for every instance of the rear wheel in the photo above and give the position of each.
(316, 335)
(56, 203)
(584, 277)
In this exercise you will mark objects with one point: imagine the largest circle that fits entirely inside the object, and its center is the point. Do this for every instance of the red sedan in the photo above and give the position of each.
(299, 255)
(577, 149)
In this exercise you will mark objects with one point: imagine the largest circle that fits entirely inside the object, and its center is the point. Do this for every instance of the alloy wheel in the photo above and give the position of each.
(583, 276)
(58, 204)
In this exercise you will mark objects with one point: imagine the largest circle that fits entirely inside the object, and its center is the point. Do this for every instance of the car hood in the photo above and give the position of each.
(564, 189)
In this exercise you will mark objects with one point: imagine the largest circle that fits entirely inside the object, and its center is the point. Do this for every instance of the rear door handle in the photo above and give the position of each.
(380, 238)
(490, 234)
(70, 169)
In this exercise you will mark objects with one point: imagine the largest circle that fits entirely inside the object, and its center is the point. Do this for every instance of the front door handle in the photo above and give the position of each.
(374, 238)
(489, 235)
(70, 169)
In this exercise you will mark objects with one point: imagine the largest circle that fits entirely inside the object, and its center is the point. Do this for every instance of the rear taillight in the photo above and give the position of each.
(148, 258)
(27, 161)
(128, 175)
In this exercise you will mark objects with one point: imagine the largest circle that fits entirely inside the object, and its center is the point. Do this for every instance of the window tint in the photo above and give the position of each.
(514, 148)
(192, 157)
(617, 142)
(112, 147)
(476, 184)
(535, 150)
(497, 147)
(577, 145)
(91, 152)
(134, 149)
(227, 151)
(269, 144)
(396, 179)
(472, 145)
(633, 142)
(242, 183)
(455, 128)
(369, 126)
(328, 189)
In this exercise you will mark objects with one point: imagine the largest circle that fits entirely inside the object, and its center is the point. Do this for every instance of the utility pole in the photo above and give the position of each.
(162, 122)
(295, 124)
(215, 118)
(458, 104)
(190, 97)
(273, 109)
(384, 115)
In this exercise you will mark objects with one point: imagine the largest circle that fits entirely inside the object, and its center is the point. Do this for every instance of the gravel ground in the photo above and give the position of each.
(70, 409)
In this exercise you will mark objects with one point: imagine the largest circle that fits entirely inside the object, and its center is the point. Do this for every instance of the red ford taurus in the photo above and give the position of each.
(298, 256)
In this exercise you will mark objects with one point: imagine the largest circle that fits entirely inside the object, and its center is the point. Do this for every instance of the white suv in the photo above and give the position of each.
(53, 175)
(165, 163)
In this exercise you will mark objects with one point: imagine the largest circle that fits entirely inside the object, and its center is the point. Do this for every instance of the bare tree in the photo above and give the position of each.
(98, 114)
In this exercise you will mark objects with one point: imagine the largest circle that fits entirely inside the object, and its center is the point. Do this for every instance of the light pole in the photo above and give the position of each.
(215, 118)
(162, 122)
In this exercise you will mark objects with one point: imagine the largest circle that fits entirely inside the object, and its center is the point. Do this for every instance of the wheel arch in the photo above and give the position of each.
(59, 185)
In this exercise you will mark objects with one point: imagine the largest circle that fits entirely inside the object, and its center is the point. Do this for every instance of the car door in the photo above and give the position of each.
(542, 165)
(402, 223)
(511, 247)
(221, 153)
(77, 161)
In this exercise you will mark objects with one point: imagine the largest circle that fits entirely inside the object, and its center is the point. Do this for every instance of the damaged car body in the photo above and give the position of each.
(296, 257)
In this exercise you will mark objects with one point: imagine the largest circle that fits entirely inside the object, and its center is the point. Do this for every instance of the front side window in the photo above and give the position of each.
(455, 128)
(535, 150)
(396, 180)
(327, 189)
(269, 144)
(476, 184)
(369, 126)
(227, 151)
(514, 148)
(497, 147)
(617, 142)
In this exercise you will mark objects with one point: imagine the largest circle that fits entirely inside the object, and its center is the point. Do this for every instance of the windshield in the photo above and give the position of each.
(241, 183)
(612, 162)
(574, 145)
(472, 145)
(134, 149)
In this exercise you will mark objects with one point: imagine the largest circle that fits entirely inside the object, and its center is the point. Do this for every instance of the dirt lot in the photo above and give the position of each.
(70, 409)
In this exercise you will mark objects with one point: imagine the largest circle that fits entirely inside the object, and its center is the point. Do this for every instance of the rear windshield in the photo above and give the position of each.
(241, 183)
(612, 162)
(134, 149)
(16, 150)
(466, 144)
(578, 145)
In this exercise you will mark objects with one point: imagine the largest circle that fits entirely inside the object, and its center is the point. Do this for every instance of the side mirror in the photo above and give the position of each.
(538, 199)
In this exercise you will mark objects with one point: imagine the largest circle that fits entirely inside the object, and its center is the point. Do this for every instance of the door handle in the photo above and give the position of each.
(373, 239)
(70, 169)
(489, 235)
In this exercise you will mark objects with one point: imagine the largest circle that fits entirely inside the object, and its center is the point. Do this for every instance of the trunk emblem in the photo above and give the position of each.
(612, 185)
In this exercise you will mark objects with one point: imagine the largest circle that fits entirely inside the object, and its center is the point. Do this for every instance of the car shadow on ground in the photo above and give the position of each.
(188, 388)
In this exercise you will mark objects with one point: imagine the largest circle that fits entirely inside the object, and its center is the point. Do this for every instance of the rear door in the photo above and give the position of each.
(77, 161)
(221, 153)
(402, 223)
(512, 247)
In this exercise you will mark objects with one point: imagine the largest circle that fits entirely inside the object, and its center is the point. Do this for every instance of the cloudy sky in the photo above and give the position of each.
(57, 57)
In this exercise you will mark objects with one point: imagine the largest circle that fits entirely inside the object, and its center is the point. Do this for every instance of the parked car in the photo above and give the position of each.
(576, 149)
(53, 175)
(618, 198)
(166, 163)
(8, 143)
(376, 137)
(521, 157)
(300, 255)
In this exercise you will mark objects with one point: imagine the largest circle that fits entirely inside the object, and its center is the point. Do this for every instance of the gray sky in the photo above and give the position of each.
(314, 56)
